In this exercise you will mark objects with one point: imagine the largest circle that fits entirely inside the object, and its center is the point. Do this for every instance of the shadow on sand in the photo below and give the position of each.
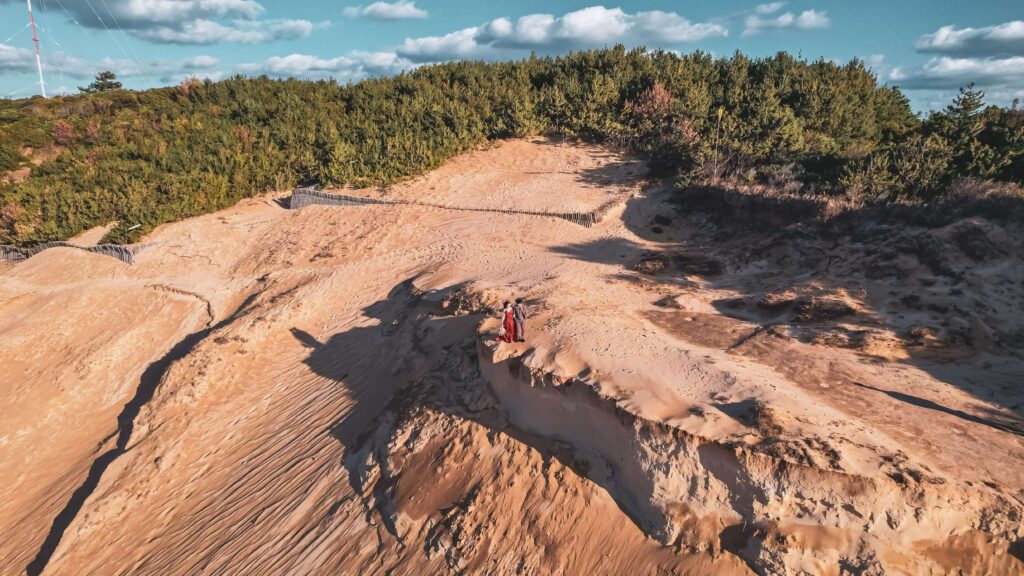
(418, 356)
(768, 243)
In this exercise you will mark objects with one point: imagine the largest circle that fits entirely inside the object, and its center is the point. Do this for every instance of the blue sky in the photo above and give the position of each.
(928, 48)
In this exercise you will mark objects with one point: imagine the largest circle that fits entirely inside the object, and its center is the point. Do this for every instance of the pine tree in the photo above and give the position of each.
(104, 82)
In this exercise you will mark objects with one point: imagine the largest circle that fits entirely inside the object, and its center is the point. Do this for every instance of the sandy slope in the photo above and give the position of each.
(270, 392)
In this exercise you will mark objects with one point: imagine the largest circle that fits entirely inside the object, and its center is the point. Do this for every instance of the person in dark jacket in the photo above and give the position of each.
(519, 315)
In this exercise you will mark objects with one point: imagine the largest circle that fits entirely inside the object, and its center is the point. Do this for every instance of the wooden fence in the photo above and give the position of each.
(125, 254)
(302, 197)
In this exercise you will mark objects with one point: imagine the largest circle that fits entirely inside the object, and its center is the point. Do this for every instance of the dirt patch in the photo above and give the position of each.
(698, 265)
(972, 241)
(821, 309)
(652, 264)
(776, 301)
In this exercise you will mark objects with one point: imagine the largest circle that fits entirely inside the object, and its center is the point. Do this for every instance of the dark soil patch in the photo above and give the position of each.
(973, 242)
(821, 309)
(698, 265)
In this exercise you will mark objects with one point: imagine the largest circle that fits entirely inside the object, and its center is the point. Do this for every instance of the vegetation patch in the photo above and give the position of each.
(774, 140)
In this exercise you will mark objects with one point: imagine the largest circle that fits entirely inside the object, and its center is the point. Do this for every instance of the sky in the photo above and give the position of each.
(929, 48)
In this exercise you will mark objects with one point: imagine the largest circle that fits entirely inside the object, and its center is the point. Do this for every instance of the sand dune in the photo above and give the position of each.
(319, 391)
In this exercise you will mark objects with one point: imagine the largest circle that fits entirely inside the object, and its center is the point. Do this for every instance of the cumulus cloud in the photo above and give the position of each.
(242, 32)
(876, 62)
(806, 20)
(165, 71)
(184, 21)
(461, 44)
(1002, 40)
(354, 67)
(769, 8)
(944, 72)
(400, 10)
(991, 57)
(14, 59)
(590, 27)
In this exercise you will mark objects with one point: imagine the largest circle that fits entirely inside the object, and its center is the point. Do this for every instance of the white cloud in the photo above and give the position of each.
(671, 28)
(461, 44)
(184, 21)
(242, 32)
(806, 20)
(166, 71)
(877, 64)
(356, 66)
(15, 59)
(591, 27)
(140, 14)
(1005, 39)
(400, 10)
(949, 73)
(594, 24)
(769, 8)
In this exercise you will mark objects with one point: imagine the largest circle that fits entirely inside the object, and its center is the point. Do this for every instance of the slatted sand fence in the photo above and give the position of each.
(125, 254)
(302, 197)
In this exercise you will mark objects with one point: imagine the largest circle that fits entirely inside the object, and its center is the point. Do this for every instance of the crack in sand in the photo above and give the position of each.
(148, 383)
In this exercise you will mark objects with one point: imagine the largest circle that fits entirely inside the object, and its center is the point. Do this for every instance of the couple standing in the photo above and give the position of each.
(513, 325)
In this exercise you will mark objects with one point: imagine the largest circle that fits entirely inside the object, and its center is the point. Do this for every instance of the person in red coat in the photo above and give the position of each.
(507, 332)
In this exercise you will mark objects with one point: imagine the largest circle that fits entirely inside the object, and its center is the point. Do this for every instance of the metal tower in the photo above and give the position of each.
(35, 40)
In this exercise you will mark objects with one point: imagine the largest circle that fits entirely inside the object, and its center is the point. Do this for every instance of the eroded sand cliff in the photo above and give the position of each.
(309, 392)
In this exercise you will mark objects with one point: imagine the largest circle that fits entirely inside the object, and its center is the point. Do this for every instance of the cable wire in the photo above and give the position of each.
(116, 42)
(34, 84)
(49, 37)
(16, 34)
(127, 40)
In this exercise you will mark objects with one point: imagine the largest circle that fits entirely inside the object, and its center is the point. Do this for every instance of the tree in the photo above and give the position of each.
(104, 82)
(156, 156)
(985, 140)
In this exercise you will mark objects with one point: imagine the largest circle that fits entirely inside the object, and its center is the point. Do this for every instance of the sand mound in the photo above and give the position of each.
(319, 391)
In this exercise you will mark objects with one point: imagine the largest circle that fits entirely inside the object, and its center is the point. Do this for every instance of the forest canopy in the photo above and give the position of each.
(161, 155)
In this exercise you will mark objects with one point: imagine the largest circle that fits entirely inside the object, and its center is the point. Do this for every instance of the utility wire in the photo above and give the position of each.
(58, 47)
(50, 38)
(88, 34)
(85, 30)
(16, 34)
(127, 40)
(116, 41)
(112, 37)
(34, 84)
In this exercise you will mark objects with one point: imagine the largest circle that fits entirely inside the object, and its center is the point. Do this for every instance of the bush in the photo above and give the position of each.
(62, 133)
(810, 127)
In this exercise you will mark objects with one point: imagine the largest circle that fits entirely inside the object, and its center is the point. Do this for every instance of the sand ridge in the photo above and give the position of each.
(328, 395)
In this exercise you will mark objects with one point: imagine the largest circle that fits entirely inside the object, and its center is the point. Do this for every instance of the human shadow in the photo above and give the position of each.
(418, 355)
(373, 363)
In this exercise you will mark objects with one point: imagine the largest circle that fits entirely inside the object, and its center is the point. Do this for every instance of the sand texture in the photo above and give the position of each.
(320, 391)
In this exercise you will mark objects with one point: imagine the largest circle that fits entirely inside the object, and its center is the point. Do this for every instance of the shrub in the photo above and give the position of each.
(62, 133)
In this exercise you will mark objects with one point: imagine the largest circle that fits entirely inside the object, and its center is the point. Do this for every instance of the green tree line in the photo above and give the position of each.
(161, 155)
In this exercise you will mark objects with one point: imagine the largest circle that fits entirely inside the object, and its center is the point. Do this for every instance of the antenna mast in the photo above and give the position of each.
(35, 40)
